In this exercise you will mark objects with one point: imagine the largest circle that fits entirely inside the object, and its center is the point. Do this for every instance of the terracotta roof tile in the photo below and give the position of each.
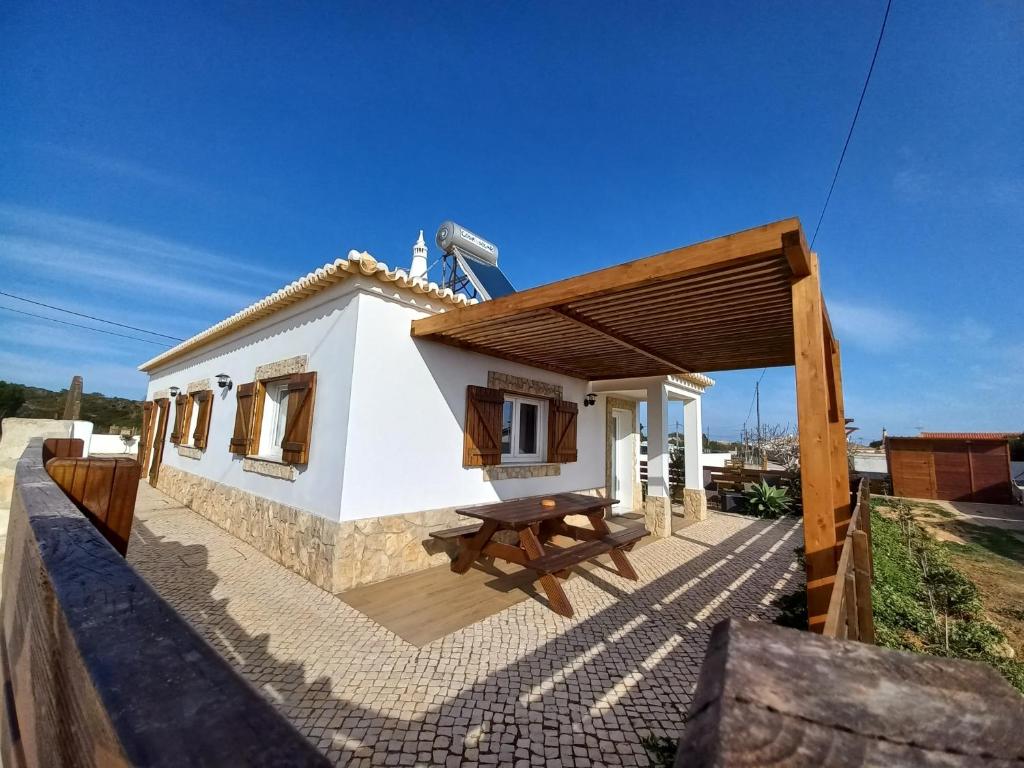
(316, 281)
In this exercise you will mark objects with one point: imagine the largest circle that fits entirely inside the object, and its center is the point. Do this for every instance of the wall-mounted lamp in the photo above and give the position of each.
(173, 391)
(223, 381)
(589, 400)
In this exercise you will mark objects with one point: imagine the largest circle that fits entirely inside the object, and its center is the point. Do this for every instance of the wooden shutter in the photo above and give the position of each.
(298, 427)
(180, 425)
(481, 445)
(245, 399)
(146, 433)
(562, 431)
(204, 402)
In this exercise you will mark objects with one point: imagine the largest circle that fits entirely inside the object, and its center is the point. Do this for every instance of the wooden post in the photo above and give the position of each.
(812, 400)
(837, 438)
(851, 605)
(862, 574)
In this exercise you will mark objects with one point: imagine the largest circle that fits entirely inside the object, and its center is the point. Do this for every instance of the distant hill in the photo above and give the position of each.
(104, 412)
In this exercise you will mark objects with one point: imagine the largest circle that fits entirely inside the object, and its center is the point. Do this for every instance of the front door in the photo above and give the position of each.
(622, 460)
(159, 435)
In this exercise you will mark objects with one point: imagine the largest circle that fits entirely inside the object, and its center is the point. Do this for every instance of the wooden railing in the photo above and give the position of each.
(98, 670)
(849, 609)
(104, 490)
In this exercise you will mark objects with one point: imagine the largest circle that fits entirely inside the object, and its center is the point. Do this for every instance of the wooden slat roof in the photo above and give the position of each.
(718, 305)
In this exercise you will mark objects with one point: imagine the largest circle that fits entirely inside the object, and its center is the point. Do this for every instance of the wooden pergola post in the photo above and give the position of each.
(818, 408)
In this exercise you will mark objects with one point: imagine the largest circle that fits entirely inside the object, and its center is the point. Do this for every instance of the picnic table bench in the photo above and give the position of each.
(536, 520)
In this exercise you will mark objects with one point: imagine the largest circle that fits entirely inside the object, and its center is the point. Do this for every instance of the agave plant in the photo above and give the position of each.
(765, 500)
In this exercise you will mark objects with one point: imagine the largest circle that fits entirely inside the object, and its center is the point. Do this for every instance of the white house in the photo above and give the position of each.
(315, 426)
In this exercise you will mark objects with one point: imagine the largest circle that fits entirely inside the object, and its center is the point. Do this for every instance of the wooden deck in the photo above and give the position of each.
(422, 607)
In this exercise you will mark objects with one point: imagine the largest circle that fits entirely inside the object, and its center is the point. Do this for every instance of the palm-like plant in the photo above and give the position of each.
(767, 501)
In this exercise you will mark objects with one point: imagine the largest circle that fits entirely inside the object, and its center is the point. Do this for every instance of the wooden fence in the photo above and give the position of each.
(99, 670)
(849, 609)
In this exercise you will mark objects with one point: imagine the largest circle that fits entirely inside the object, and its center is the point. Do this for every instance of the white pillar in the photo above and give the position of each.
(694, 439)
(657, 440)
(695, 503)
(658, 507)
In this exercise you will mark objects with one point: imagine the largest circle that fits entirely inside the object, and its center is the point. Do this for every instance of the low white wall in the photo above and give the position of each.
(113, 444)
(715, 459)
(16, 435)
(870, 462)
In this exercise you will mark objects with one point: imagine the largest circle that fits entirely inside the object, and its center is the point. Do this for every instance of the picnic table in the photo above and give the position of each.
(536, 520)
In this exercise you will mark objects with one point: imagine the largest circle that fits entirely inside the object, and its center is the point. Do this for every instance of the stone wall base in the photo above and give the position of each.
(658, 516)
(695, 504)
(334, 556)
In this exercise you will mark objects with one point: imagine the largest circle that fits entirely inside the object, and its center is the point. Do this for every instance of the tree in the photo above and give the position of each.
(1017, 448)
(12, 396)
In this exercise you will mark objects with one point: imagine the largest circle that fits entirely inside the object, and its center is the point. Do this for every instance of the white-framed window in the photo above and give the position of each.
(524, 429)
(275, 415)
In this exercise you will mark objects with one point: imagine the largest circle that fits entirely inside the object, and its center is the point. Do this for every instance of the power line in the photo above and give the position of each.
(88, 317)
(856, 114)
(86, 327)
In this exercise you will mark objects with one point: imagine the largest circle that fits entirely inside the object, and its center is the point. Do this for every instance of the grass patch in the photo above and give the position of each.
(923, 603)
(983, 541)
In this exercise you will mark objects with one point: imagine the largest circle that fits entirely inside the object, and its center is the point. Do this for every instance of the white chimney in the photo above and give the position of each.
(419, 259)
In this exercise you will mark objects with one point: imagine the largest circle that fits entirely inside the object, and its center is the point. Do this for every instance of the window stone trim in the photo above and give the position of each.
(520, 471)
(161, 394)
(269, 468)
(284, 367)
(190, 452)
(199, 385)
(523, 386)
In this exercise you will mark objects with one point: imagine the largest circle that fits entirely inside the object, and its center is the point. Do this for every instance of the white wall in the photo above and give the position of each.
(387, 435)
(112, 444)
(324, 328)
(715, 459)
(406, 423)
(870, 462)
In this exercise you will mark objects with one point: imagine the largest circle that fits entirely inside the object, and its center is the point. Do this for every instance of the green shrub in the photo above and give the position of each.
(921, 602)
(767, 501)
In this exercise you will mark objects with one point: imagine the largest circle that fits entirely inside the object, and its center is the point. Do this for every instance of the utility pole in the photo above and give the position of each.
(757, 398)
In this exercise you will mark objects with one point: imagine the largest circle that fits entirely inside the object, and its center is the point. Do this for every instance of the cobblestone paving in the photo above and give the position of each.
(523, 687)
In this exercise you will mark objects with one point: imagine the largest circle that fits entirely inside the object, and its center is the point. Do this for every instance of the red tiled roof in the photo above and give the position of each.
(969, 435)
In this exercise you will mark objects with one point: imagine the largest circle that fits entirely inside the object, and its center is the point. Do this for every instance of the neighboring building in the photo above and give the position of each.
(314, 426)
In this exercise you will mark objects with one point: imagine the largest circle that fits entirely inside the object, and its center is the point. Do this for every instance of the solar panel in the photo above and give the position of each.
(488, 279)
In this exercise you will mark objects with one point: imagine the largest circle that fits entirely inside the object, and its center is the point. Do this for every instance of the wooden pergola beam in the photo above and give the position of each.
(816, 443)
(692, 259)
(619, 339)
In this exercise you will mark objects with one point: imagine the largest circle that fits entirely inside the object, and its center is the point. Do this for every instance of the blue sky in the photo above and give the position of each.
(163, 165)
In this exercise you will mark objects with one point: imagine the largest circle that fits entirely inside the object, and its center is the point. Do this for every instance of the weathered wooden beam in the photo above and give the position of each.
(817, 484)
(769, 696)
(737, 248)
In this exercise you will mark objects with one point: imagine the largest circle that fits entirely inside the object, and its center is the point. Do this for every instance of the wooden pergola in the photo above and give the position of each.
(748, 300)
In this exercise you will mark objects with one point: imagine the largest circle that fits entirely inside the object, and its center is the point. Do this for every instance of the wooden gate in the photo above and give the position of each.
(952, 469)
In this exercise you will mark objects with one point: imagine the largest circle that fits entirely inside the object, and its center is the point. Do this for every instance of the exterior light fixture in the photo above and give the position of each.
(173, 391)
(223, 381)
(589, 400)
